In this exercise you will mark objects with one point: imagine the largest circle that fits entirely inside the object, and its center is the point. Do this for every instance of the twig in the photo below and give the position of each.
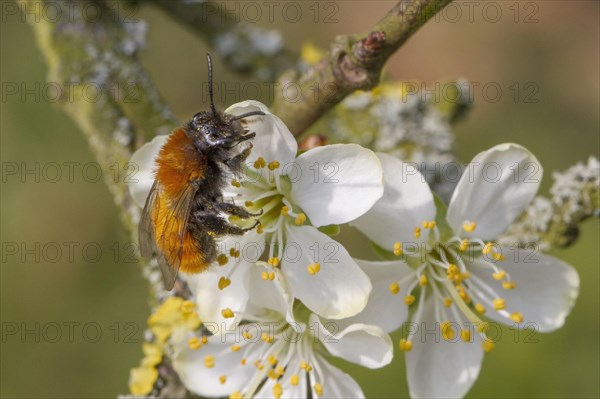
(97, 58)
(353, 63)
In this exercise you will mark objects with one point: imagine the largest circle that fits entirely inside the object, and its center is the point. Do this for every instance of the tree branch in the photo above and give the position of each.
(554, 222)
(97, 58)
(353, 63)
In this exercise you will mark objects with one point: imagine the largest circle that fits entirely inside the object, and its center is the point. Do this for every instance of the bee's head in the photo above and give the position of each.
(215, 131)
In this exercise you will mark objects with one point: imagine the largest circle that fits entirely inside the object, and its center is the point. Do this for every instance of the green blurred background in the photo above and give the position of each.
(558, 51)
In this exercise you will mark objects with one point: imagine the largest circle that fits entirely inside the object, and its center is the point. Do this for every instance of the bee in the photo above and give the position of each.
(182, 217)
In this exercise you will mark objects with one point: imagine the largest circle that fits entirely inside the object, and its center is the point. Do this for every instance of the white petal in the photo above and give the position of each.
(273, 140)
(340, 289)
(270, 294)
(144, 162)
(385, 309)
(335, 383)
(196, 377)
(336, 183)
(494, 189)
(546, 288)
(362, 344)
(437, 368)
(407, 202)
(210, 300)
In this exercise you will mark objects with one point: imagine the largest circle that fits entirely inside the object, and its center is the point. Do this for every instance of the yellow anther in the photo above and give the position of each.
(277, 391)
(248, 204)
(487, 345)
(227, 313)
(499, 275)
(209, 361)
(247, 335)
(294, 380)
(405, 346)
(267, 338)
(300, 219)
(271, 275)
(204, 339)
(243, 361)
(469, 227)
(465, 335)
(447, 302)
(480, 308)
(273, 261)
(259, 228)
(259, 163)
(272, 360)
(224, 282)
(280, 369)
(463, 293)
(264, 275)
(272, 374)
(464, 244)
(258, 364)
(222, 259)
(452, 271)
(499, 304)
(273, 165)
(235, 348)
(318, 389)
(509, 285)
(409, 299)
(236, 395)
(397, 248)
(428, 224)
(422, 280)
(187, 306)
(447, 331)
(498, 256)
(305, 366)
(417, 232)
(516, 317)
(284, 210)
(487, 248)
(234, 253)
(223, 379)
(194, 343)
(235, 183)
(394, 288)
(314, 268)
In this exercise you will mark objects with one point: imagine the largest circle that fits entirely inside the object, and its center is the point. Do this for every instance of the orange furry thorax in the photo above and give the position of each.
(178, 162)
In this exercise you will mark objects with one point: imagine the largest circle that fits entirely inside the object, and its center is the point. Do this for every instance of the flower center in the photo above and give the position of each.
(441, 268)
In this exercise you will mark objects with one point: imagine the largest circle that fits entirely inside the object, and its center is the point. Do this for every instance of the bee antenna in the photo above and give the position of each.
(210, 85)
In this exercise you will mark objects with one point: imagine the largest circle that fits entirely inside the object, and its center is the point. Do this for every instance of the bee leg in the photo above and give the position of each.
(220, 227)
(235, 163)
(233, 209)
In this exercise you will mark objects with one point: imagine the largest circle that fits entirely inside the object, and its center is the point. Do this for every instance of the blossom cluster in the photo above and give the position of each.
(286, 296)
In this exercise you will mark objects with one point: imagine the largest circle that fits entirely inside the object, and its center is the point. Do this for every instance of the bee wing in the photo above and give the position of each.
(168, 242)
(146, 228)
(173, 233)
